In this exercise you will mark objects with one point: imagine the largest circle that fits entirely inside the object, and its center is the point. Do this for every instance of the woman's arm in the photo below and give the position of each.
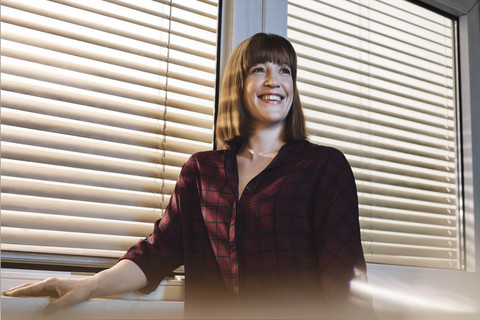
(123, 277)
(337, 229)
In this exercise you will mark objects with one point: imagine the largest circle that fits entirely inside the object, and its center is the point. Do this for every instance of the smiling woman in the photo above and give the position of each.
(233, 122)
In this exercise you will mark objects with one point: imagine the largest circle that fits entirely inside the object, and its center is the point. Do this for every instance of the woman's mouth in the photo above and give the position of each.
(271, 97)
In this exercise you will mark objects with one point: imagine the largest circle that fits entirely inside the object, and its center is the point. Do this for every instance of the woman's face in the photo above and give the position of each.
(268, 93)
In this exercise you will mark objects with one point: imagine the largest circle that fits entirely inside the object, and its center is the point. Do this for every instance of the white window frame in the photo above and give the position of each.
(413, 290)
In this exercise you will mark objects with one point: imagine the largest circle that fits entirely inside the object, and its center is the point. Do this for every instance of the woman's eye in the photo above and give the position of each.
(257, 69)
(285, 71)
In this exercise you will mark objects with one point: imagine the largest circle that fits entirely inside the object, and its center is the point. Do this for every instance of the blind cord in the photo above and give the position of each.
(164, 129)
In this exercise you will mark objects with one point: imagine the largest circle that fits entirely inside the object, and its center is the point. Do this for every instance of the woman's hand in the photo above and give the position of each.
(67, 292)
(123, 277)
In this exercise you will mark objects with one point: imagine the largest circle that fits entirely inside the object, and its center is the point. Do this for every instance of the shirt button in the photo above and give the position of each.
(248, 188)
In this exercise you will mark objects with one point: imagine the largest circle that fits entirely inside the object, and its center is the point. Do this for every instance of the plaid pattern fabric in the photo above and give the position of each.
(293, 233)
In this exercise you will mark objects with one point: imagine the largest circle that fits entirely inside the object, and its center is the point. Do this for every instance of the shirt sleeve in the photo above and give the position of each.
(336, 228)
(162, 251)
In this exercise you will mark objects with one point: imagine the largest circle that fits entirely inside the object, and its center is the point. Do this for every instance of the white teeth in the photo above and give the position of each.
(272, 97)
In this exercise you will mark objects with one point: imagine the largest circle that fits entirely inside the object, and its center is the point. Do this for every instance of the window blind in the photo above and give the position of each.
(378, 81)
(102, 103)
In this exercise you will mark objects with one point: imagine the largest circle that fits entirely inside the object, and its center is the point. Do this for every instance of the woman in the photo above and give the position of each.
(267, 226)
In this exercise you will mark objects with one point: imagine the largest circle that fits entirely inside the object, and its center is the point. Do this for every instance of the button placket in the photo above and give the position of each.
(233, 250)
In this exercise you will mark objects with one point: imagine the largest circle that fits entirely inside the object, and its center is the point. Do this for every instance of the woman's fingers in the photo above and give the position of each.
(52, 287)
(66, 291)
(28, 289)
(14, 289)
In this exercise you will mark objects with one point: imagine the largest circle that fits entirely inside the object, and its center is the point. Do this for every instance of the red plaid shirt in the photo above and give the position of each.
(293, 233)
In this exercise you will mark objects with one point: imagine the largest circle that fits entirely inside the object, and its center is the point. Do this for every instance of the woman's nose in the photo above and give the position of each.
(271, 80)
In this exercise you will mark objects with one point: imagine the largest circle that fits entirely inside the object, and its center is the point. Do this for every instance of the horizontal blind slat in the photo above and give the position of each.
(205, 11)
(100, 116)
(383, 135)
(363, 165)
(395, 157)
(103, 27)
(367, 175)
(416, 14)
(337, 52)
(53, 173)
(85, 38)
(384, 57)
(139, 91)
(405, 216)
(430, 32)
(105, 12)
(68, 239)
(146, 61)
(145, 134)
(400, 240)
(57, 157)
(90, 146)
(407, 192)
(352, 73)
(374, 86)
(147, 10)
(426, 262)
(432, 108)
(76, 192)
(440, 138)
(62, 93)
(407, 227)
(51, 205)
(42, 221)
(57, 254)
(94, 67)
(376, 38)
(437, 127)
(404, 203)
(179, 148)
(315, 101)
(390, 147)
(409, 250)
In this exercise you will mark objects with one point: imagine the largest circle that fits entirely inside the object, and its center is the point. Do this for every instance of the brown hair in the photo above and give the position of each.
(232, 128)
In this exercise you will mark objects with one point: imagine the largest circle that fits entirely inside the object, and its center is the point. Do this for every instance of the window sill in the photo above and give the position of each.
(30, 308)
(164, 303)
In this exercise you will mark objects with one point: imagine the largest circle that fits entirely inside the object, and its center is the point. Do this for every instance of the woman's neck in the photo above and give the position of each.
(263, 143)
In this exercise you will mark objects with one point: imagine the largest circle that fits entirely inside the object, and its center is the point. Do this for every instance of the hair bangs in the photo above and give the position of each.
(269, 48)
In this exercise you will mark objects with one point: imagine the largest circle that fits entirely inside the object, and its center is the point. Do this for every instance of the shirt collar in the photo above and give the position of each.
(288, 149)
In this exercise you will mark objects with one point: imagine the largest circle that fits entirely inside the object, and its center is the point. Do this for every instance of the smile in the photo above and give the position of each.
(271, 97)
